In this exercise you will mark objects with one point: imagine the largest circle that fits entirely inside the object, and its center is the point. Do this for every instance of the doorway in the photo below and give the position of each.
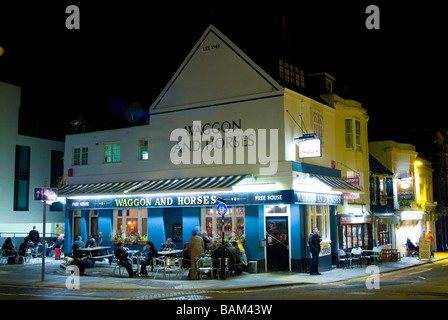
(277, 243)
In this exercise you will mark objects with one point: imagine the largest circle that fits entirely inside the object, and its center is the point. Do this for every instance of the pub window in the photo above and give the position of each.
(77, 224)
(80, 156)
(131, 222)
(234, 222)
(318, 123)
(297, 80)
(93, 224)
(111, 152)
(319, 216)
(302, 78)
(358, 135)
(143, 150)
(383, 233)
(281, 69)
(355, 236)
(287, 78)
(353, 134)
(22, 178)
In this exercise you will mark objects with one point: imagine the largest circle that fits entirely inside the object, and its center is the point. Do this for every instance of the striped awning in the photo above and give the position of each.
(338, 184)
(151, 186)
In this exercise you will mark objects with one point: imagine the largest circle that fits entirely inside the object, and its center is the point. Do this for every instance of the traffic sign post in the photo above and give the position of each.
(45, 194)
(222, 210)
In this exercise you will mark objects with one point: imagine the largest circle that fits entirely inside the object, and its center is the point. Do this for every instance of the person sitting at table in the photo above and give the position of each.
(90, 242)
(78, 244)
(150, 252)
(411, 246)
(168, 245)
(27, 244)
(58, 244)
(10, 250)
(216, 255)
(122, 255)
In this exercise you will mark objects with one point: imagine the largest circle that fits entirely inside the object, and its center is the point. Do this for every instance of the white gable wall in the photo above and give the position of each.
(214, 71)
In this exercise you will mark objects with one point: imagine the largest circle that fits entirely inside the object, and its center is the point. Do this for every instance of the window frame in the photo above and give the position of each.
(114, 156)
(141, 149)
(83, 150)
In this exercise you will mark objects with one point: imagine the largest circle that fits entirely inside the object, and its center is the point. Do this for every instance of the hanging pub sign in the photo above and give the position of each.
(310, 146)
(405, 191)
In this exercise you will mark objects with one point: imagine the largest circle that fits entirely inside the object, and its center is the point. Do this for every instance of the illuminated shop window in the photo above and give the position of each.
(234, 222)
(319, 216)
(131, 222)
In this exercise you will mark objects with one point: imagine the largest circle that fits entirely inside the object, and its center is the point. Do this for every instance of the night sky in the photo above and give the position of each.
(125, 53)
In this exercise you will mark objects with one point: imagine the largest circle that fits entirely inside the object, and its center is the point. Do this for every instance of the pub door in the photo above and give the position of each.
(277, 243)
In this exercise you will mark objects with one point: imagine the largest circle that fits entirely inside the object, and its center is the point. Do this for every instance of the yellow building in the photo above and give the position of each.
(342, 126)
(413, 190)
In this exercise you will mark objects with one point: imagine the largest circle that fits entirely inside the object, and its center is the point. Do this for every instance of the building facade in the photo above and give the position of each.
(413, 190)
(26, 163)
(224, 128)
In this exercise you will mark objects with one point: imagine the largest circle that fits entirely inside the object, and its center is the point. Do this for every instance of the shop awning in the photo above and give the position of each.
(338, 184)
(387, 218)
(151, 186)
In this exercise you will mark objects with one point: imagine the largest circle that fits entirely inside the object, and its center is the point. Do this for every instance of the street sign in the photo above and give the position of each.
(45, 194)
(222, 209)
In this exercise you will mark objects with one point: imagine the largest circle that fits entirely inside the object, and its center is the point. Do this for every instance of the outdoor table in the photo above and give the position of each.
(169, 252)
(388, 253)
(370, 252)
(90, 253)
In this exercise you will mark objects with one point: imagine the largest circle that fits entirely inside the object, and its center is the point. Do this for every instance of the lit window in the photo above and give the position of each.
(211, 222)
(281, 68)
(143, 150)
(319, 216)
(112, 152)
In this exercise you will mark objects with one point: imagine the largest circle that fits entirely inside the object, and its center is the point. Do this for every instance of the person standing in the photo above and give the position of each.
(314, 242)
(196, 250)
(34, 236)
(429, 236)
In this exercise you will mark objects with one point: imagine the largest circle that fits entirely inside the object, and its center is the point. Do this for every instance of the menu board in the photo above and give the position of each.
(424, 249)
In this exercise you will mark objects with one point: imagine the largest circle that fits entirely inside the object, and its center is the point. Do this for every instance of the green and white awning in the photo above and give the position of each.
(151, 186)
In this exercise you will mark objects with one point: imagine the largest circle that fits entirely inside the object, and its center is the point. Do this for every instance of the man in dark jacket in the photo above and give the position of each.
(314, 242)
(34, 236)
(122, 255)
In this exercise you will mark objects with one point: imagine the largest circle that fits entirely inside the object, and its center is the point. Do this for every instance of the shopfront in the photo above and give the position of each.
(275, 225)
(355, 232)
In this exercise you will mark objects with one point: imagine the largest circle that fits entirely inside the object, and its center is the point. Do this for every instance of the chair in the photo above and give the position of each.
(6, 254)
(356, 256)
(119, 266)
(377, 255)
(411, 253)
(205, 265)
(27, 256)
(3, 256)
(159, 265)
(171, 265)
(344, 261)
(184, 264)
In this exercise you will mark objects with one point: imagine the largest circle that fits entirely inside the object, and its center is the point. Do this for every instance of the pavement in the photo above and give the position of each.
(104, 277)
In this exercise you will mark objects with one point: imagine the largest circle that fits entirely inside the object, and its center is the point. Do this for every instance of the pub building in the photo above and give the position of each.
(163, 180)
